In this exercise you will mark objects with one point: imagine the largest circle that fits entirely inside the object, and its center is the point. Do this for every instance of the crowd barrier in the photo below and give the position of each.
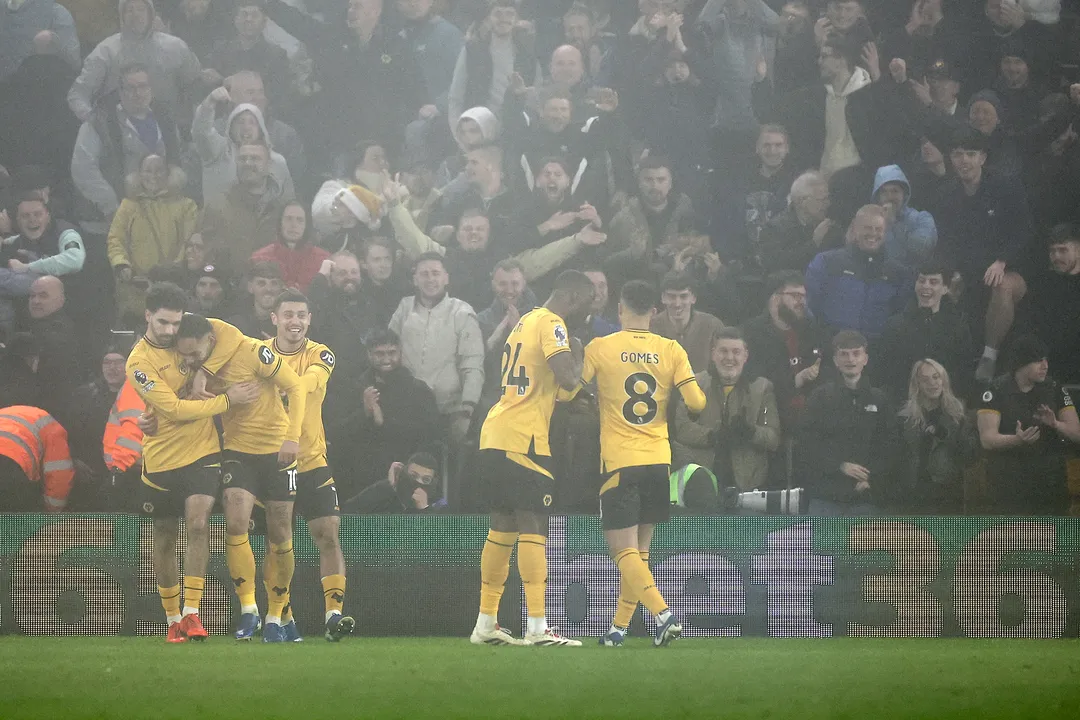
(726, 576)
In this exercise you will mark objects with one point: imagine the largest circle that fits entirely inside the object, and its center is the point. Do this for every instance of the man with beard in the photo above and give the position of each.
(513, 298)
(1055, 303)
(787, 345)
(343, 316)
(264, 284)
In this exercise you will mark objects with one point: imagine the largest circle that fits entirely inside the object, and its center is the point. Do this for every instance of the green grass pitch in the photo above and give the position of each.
(145, 679)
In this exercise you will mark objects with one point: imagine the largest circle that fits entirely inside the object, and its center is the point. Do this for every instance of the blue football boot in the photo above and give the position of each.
(338, 626)
(249, 625)
(292, 634)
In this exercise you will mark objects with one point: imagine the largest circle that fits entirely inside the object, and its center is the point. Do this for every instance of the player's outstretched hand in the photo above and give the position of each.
(243, 393)
(287, 454)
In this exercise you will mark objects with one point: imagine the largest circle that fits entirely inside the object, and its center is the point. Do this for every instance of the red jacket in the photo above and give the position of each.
(33, 439)
(298, 267)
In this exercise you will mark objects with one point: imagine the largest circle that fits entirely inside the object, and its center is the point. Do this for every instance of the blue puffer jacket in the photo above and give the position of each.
(910, 238)
(848, 289)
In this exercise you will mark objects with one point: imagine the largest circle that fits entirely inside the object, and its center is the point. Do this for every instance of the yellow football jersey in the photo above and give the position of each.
(636, 372)
(313, 362)
(520, 421)
(261, 427)
(186, 430)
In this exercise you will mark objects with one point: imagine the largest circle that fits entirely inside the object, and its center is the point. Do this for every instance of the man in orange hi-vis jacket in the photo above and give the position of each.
(122, 443)
(36, 469)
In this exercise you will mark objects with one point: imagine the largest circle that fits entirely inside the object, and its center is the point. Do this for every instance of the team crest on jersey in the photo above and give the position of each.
(327, 357)
(266, 356)
(560, 336)
(182, 367)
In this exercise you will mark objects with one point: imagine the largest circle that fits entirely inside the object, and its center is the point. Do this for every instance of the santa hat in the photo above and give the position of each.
(361, 202)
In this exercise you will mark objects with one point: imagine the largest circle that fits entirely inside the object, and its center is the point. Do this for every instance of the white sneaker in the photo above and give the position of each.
(550, 637)
(498, 636)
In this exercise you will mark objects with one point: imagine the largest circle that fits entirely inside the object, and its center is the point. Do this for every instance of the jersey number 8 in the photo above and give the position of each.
(637, 397)
(513, 375)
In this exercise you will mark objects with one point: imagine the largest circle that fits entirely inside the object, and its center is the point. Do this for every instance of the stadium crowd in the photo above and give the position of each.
(862, 219)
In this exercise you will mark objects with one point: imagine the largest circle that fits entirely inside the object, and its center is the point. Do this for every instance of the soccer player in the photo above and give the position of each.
(316, 494)
(515, 458)
(182, 459)
(636, 372)
(261, 442)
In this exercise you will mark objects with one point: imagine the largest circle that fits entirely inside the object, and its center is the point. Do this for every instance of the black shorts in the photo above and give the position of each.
(162, 494)
(636, 495)
(316, 494)
(260, 475)
(517, 482)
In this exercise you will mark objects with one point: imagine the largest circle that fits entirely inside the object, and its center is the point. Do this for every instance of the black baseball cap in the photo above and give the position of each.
(942, 69)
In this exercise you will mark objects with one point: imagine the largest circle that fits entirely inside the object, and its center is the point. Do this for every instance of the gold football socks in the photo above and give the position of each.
(635, 575)
(170, 601)
(628, 599)
(277, 576)
(333, 590)
(241, 564)
(494, 569)
(532, 566)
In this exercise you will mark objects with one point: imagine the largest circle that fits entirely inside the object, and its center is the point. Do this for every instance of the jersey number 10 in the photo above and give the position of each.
(513, 375)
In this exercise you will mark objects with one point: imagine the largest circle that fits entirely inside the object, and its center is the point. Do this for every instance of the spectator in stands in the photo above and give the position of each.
(203, 25)
(739, 428)
(435, 43)
(218, 153)
(930, 327)
(650, 219)
(208, 293)
(441, 344)
(264, 284)
(172, 69)
(247, 86)
(937, 442)
(795, 64)
(938, 93)
(494, 49)
(489, 190)
(44, 246)
(692, 329)
(397, 413)
(249, 50)
(113, 141)
(370, 84)
(383, 285)
(1003, 154)
(409, 488)
(36, 469)
(28, 25)
(1055, 303)
(513, 298)
(910, 234)
(581, 31)
(345, 215)
(598, 324)
(1023, 419)
(754, 194)
(985, 232)
(295, 252)
(845, 446)
(787, 345)
(60, 355)
(790, 240)
(88, 410)
(246, 217)
(38, 129)
(476, 127)
(856, 287)
(148, 229)
(343, 314)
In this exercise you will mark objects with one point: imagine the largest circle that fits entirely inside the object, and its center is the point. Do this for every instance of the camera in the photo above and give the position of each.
(766, 502)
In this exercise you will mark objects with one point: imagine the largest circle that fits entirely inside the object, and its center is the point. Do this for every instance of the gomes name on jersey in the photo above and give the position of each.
(638, 357)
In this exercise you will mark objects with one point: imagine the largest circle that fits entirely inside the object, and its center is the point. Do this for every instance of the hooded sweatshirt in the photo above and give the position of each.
(840, 150)
(451, 175)
(218, 152)
(912, 236)
(173, 67)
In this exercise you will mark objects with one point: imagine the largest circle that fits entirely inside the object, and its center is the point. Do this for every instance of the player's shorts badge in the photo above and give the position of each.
(148, 507)
(227, 478)
(547, 501)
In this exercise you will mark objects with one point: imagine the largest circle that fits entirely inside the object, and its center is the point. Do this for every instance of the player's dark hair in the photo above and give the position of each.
(639, 296)
(423, 459)
(573, 281)
(849, 340)
(381, 337)
(290, 296)
(166, 296)
(193, 326)
(675, 281)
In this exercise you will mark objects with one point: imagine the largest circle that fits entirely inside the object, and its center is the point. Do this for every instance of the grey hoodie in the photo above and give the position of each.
(173, 67)
(218, 152)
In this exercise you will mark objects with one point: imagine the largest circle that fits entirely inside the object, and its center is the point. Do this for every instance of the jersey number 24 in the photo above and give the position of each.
(513, 375)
